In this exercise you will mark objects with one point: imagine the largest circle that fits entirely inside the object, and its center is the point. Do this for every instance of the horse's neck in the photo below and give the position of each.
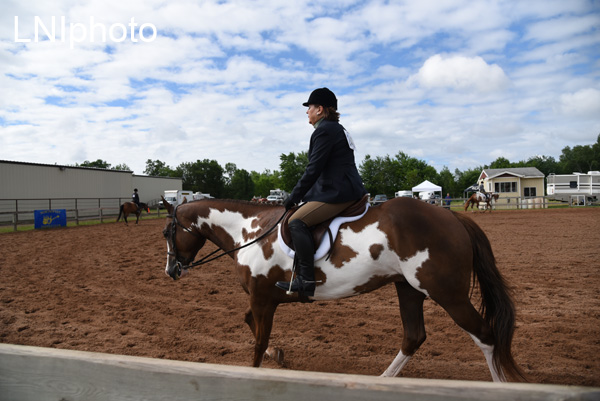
(228, 226)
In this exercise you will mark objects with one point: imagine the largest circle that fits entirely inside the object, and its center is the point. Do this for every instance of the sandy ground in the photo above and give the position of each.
(102, 288)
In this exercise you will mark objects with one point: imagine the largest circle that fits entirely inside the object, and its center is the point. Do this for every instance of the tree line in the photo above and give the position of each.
(381, 174)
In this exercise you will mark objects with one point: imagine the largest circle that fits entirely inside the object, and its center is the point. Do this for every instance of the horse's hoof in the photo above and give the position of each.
(276, 354)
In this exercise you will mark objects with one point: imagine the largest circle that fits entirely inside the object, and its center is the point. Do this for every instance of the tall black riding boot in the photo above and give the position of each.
(304, 283)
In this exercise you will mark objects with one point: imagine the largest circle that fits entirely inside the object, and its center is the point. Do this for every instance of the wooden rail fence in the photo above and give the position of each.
(33, 373)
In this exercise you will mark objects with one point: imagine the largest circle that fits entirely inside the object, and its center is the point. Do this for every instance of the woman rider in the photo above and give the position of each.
(329, 185)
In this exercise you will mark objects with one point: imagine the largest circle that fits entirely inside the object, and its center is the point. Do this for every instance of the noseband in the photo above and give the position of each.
(208, 258)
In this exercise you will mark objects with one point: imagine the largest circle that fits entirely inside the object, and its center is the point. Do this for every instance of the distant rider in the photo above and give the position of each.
(135, 198)
(482, 190)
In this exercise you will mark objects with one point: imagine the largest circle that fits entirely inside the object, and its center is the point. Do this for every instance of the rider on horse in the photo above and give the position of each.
(135, 198)
(482, 190)
(329, 185)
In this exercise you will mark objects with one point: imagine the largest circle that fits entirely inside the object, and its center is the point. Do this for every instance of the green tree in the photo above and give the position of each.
(582, 158)
(446, 181)
(378, 175)
(546, 164)
(292, 167)
(501, 162)
(386, 175)
(122, 167)
(203, 176)
(465, 179)
(241, 185)
(158, 168)
(264, 182)
(95, 164)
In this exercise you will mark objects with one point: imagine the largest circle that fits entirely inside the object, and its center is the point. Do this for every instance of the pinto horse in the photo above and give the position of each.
(426, 251)
(479, 197)
(131, 207)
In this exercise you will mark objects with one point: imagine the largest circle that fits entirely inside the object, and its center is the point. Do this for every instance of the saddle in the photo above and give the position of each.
(351, 213)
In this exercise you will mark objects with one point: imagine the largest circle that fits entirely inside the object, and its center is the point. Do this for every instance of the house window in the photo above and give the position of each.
(505, 187)
(529, 192)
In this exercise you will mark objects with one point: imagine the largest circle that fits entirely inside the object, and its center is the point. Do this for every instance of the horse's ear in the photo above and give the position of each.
(167, 205)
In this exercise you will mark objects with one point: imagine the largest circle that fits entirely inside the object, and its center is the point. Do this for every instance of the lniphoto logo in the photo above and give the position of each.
(78, 32)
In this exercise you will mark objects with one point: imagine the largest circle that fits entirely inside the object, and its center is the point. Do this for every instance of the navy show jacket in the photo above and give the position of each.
(331, 175)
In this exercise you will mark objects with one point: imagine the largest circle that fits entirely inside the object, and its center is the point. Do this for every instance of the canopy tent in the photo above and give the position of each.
(427, 186)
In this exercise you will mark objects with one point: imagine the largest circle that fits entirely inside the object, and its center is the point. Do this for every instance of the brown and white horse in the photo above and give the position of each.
(426, 251)
(478, 197)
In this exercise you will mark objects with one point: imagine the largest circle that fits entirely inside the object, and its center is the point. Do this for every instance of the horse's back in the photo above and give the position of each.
(413, 225)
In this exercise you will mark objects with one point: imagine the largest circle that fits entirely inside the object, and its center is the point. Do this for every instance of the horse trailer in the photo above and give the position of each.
(577, 187)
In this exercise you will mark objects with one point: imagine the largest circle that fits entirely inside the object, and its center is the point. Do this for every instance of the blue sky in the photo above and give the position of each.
(454, 83)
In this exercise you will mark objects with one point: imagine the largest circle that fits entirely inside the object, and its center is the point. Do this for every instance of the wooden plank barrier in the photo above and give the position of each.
(33, 373)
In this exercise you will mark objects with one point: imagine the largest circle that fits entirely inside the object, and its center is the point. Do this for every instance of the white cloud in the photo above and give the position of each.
(561, 28)
(225, 80)
(583, 103)
(461, 73)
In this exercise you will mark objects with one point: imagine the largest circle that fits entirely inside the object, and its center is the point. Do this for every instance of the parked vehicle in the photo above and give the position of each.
(277, 196)
(379, 199)
(578, 187)
(175, 197)
(403, 194)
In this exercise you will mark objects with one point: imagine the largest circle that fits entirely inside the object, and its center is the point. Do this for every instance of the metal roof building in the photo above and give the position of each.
(21, 180)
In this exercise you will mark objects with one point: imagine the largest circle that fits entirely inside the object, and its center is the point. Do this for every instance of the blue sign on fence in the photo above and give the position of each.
(50, 218)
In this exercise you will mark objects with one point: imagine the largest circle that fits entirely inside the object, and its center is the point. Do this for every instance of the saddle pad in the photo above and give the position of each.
(325, 245)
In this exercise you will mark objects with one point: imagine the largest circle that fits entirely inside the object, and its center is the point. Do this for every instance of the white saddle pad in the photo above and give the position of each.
(325, 245)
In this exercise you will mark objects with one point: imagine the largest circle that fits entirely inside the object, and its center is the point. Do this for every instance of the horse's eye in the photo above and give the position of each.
(165, 234)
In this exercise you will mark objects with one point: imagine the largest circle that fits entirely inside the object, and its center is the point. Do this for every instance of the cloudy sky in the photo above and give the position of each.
(455, 83)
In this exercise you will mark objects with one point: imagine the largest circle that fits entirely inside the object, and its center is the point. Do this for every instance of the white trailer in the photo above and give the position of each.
(176, 197)
(576, 187)
(277, 196)
(403, 194)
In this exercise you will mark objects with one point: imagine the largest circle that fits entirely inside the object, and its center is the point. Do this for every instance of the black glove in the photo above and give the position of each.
(289, 203)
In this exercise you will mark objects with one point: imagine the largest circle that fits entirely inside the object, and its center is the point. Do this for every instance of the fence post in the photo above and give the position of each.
(15, 218)
(76, 216)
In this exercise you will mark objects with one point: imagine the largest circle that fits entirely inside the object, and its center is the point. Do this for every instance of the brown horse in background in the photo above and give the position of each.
(131, 207)
(426, 251)
(479, 197)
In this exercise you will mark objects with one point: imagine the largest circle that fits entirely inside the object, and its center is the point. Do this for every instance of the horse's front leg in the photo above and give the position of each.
(260, 319)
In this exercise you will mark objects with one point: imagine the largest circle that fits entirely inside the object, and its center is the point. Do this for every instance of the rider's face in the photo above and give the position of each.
(315, 113)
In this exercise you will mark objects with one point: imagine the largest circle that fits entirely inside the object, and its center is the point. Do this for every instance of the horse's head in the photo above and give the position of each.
(183, 240)
(145, 207)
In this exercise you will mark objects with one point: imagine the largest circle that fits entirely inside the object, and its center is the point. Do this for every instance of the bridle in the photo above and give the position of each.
(208, 258)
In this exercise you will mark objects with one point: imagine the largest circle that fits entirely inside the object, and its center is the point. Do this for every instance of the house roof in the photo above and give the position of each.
(522, 172)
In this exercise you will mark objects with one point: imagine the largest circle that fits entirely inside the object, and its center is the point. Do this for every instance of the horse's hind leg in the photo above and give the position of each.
(467, 317)
(411, 312)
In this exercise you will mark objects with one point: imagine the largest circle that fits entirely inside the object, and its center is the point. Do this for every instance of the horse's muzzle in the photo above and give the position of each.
(174, 270)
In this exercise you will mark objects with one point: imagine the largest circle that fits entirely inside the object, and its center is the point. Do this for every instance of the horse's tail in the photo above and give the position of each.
(497, 307)
(467, 204)
(120, 212)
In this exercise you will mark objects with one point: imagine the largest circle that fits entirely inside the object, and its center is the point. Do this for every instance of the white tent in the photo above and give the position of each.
(427, 186)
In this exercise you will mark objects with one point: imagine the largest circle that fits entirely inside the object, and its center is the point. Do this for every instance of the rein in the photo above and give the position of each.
(209, 257)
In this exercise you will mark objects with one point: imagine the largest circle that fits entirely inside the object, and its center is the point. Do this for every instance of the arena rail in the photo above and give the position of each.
(34, 373)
